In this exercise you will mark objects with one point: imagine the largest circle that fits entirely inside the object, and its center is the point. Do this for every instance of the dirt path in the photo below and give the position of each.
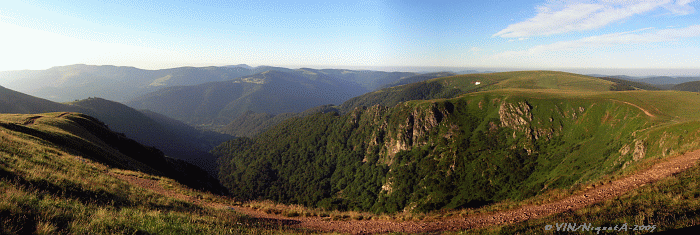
(608, 191)
(30, 121)
(637, 106)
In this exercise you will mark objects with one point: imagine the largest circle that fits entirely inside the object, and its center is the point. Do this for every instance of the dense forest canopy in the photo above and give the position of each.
(425, 156)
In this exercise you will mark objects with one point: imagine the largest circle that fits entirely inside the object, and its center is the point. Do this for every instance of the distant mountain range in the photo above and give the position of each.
(654, 80)
(119, 83)
(213, 105)
(251, 123)
(68, 83)
(418, 78)
(274, 92)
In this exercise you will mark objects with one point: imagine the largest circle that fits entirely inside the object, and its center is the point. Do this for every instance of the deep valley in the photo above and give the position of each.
(306, 151)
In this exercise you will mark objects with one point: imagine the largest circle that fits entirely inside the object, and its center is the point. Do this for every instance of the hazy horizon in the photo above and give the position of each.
(633, 72)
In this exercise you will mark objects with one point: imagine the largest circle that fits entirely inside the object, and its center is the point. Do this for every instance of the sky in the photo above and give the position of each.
(607, 35)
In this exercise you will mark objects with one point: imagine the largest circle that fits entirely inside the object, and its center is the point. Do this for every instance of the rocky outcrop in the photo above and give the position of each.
(640, 150)
(416, 127)
(516, 116)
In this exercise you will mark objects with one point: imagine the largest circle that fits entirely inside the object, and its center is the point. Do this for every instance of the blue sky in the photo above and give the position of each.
(610, 34)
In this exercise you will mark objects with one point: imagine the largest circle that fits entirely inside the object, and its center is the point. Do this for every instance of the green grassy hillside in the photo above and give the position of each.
(513, 136)
(693, 86)
(58, 176)
(155, 131)
(174, 140)
(87, 137)
(452, 86)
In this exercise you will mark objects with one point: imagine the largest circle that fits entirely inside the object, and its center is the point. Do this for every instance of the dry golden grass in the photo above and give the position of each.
(46, 190)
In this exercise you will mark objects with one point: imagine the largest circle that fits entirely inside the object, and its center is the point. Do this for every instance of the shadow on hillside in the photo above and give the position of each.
(266, 221)
(135, 156)
(100, 197)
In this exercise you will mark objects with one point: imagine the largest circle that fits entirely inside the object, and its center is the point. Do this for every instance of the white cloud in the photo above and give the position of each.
(475, 49)
(571, 16)
(632, 37)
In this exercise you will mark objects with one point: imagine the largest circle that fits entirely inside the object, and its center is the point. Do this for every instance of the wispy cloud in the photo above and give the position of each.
(559, 17)
(681, 7)
(641, 36)
(4, 16)
(475, 49)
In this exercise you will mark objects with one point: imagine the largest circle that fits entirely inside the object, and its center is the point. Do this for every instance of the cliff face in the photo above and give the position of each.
(417, 126)
(426, 155)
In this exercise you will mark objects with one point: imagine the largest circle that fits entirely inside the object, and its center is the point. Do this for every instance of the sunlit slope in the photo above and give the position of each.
(60, 174)
(148, 130)
(86, 137)
(672, 128)
(453, 86)
(513, 136)
(550, 80)
(525, 80)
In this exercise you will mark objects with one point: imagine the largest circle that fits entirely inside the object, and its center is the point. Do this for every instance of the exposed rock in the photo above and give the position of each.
(413, 131)
(387, 186)
(515, 116)
(640, 150)
(624, 150)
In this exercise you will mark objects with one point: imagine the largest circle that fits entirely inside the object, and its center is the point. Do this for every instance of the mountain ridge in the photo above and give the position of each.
(122, 119)
(123, 83)
(509, 139)
(274, 92)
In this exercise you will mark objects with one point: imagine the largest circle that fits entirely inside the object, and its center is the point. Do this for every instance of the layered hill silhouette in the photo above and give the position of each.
(272, 92)
(120, 83)
(661, 82)
(173, 138)
(693, 86)
(252, 122)
(418, 78)
(82, 136)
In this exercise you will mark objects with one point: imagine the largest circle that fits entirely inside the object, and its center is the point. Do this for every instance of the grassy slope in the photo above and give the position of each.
(448, 87)
(565, 111)
(147, 129)
(669, 204)
(151, 131)
(49, 189)
(619, 121)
